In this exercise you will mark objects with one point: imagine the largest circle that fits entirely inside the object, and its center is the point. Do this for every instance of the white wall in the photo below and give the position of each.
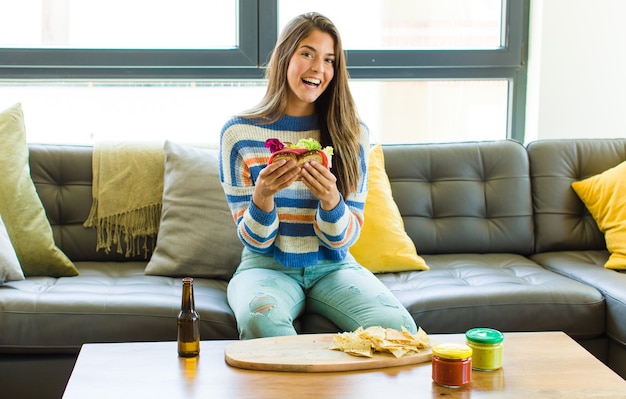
(576, 69)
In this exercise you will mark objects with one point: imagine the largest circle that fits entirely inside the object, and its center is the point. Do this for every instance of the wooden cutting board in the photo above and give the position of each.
(308, 353)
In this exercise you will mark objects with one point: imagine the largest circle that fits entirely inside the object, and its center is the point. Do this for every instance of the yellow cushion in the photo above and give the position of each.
(384, 245)
(604, 195)
(20, 206)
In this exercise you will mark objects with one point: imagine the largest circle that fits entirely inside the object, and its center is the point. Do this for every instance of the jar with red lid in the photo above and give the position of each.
(452, 365)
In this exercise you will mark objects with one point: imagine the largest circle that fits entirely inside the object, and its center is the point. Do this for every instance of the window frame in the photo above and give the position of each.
(257, 33)
(59, 63)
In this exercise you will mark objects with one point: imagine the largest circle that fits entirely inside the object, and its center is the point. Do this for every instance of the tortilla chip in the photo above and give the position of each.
(363, 342)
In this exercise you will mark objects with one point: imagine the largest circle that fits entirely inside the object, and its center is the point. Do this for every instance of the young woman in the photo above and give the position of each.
(298, 223)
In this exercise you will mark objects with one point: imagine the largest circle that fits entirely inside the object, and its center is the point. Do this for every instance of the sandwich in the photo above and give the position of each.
(305, 150)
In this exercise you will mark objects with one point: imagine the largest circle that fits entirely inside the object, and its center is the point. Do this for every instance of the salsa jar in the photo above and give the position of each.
(452, 364)
(487, 347)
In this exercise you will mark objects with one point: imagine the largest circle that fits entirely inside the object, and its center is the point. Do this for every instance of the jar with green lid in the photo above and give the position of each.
(486, 344)
(452, 364)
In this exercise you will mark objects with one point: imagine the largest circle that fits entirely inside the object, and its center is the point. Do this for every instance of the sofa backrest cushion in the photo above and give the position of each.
(471, 197)
(63, 177)
(561, 220)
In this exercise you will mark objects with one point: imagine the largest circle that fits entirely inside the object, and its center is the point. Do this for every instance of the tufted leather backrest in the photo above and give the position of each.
(63, 178)
(561, 220)
(471, 197)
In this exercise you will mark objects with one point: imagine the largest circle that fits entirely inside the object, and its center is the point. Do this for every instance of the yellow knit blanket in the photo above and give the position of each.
(127, 195)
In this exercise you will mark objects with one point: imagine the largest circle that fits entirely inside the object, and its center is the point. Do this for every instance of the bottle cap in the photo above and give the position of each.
(487, 336)
(452, 351)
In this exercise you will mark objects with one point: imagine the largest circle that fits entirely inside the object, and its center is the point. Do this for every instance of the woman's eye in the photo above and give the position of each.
(307, 54)
(330, 61)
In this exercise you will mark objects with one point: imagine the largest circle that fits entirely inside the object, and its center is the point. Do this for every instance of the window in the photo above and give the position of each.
(84, 112)
(99, 39)
(119, 24)
(422, 70)
(441, 70)
(410, 24)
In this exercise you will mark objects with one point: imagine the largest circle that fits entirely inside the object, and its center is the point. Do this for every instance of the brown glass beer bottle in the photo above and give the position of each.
(188, 319)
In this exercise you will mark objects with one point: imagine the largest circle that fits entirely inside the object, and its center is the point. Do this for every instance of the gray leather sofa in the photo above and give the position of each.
(509, 245)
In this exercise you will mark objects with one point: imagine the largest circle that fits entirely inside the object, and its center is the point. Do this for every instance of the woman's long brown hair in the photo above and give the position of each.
(335, 108)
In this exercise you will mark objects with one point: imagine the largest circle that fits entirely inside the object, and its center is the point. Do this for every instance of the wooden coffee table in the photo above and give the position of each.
(536, 365)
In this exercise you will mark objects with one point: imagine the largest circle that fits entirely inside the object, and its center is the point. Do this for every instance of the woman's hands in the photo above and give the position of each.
(279, 175)
(322, 183)
(273, 178)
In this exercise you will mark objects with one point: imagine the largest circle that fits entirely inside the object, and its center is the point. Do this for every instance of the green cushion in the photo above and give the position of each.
(20, 206)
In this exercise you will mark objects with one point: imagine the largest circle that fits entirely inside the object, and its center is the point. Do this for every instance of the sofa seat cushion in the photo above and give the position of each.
(503, 291)
(588, 267)
(107, 302)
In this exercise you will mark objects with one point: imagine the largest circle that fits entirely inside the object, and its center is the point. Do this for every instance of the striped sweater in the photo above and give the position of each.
(298, 232)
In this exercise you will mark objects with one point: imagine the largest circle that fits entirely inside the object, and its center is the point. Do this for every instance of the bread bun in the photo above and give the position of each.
(315, 155)
(287, 156)
(301, 156)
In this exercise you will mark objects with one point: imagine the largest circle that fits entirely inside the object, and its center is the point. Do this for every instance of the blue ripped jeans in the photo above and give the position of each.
(267, 297)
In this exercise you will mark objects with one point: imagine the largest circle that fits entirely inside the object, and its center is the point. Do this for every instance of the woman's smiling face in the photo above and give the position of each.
(310, 70)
